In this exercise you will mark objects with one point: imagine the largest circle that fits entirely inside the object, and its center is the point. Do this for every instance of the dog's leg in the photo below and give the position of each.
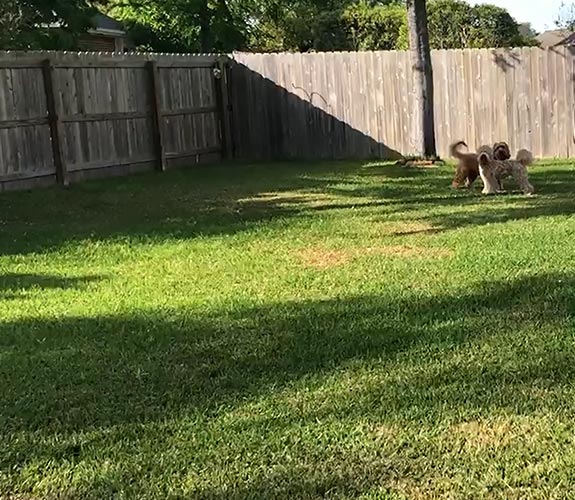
(520, 176)
(471, 176)
(489, 182)
(460, 177)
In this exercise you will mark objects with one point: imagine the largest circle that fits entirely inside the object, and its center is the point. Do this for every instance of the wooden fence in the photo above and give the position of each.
(361, 105)
(64, 117)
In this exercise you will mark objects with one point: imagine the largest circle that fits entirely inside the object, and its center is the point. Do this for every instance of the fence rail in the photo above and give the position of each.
(362, 104)
(68, 116)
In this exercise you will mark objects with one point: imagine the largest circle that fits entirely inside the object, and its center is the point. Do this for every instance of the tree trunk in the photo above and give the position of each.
(205, 28)
(422, 72)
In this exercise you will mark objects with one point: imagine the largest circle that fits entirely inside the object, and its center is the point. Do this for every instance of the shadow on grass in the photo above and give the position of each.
(554, 197)
(78, 373)
(206, 201)
(83, 374)
(14, 285)
(226, 199)
(555, 189)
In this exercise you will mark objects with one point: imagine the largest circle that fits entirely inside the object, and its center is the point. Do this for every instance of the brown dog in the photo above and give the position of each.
(468, 166)
(501, 151)
(492, 171)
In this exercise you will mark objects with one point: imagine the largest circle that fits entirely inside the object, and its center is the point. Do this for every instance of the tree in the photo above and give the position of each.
(527, 31)
(183, 25)
(454, 24)
(43, 24)
(303, 25)
(375, 27)
(299, 25)
(450, 23)
(493, 26)
(423, 74)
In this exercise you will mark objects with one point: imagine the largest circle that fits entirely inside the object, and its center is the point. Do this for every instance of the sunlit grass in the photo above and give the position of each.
(338, 330)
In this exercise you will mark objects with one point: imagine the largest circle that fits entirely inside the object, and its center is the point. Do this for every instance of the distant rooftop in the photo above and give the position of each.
(102, 21)
(552, 38)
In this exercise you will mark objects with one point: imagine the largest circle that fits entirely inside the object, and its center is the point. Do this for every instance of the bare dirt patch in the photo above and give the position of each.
(497, 434)
(311, 198)
(323, 258)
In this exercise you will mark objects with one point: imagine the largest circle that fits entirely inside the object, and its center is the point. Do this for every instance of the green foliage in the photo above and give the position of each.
(263, 25)
(24, 23)
(376, 26)
(493, 26)
(183, 25)
(454, 24)
(299, 26)
(379, 27)
(449, 24)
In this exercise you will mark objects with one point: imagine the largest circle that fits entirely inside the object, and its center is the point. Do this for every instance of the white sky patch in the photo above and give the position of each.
(540, 13)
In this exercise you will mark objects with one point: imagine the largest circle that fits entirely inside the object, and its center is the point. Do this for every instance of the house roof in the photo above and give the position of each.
(101, 23)
(553, 38)
(104, 22)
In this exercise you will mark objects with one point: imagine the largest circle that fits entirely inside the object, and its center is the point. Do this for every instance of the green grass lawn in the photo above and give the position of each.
(336, 330)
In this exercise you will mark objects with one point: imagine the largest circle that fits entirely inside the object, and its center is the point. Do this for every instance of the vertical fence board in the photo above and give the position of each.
(284, 106)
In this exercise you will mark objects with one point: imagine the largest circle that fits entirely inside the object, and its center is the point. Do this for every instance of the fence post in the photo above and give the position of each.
(56, 128)
(223, 102)
(157, 119)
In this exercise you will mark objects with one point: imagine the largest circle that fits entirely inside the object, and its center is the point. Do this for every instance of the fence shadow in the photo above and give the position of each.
(273, 123)
(227, 199)
(14, 285)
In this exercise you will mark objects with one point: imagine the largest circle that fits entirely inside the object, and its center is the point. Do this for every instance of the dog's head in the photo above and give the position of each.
(501, 151)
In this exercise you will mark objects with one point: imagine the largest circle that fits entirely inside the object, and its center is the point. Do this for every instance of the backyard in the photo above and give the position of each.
(313, 330)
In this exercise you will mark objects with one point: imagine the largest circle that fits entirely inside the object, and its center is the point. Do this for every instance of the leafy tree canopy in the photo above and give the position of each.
(260, 25)
(43, 24)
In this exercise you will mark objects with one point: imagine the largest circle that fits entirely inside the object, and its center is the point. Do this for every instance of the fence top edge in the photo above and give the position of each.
(347, 52)
(14, 55)
(24, 53)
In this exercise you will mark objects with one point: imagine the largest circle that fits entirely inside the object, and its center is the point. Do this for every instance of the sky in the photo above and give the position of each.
(540, 13)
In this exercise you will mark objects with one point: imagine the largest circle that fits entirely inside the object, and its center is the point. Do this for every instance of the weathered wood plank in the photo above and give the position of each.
(56, 129)
(158, 118)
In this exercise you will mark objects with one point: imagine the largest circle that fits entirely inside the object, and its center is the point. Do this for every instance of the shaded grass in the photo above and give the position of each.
(288, 331)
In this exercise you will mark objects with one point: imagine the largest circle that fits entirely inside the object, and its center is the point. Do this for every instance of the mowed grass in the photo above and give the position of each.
(336, 330)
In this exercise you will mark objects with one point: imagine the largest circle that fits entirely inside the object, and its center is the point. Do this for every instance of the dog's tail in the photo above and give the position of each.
(525, 157)
(484, 155)
(454, 149)
(483, 158)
